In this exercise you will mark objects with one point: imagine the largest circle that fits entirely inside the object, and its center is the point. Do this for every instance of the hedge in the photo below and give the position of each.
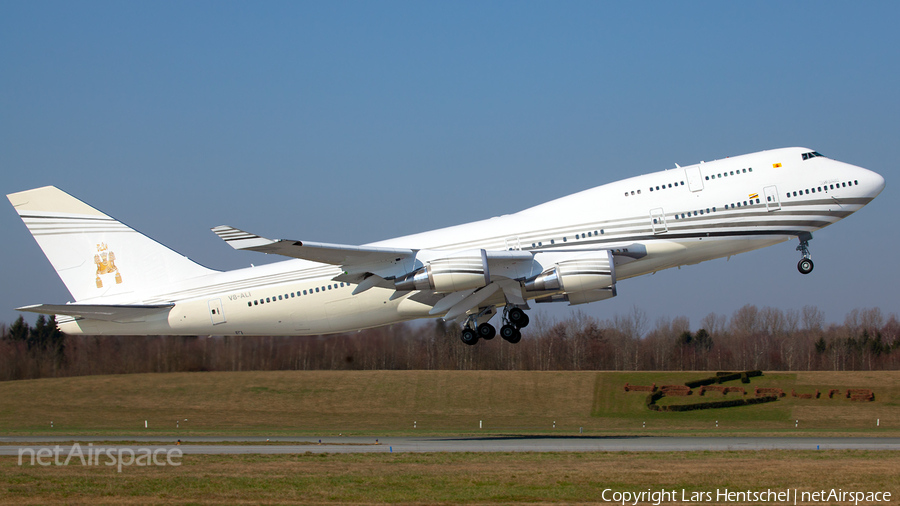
(717, 404)
(652, 398)
(722, 377)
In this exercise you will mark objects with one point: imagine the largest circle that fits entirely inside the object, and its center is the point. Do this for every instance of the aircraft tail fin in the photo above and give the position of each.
(96, 256)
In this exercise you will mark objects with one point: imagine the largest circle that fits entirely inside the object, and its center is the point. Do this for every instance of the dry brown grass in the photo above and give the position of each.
(297, 400)
(445, 478)
(381, 402)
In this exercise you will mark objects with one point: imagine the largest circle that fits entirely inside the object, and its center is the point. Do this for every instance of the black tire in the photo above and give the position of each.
(516, 316)
(508, 332)
(805, 266)
(516, 338)
(525, 321)
(469, 337)
(486, 331)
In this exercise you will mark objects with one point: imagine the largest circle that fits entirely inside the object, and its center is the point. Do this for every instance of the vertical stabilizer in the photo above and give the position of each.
(95, 255)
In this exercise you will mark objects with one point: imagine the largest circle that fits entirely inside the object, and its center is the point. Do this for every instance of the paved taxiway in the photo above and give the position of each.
(460, 444)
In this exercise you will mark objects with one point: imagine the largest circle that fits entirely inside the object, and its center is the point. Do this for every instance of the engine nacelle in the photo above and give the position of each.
(575, 298)
(460, 271)
(591, 271)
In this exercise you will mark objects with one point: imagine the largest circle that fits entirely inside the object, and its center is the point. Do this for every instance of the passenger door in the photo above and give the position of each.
(772, 202)
(658, 221)
(215, 311)
(695, 180)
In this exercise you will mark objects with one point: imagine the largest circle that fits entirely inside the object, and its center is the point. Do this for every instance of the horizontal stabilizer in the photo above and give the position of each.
(107, 313)
(334, 254)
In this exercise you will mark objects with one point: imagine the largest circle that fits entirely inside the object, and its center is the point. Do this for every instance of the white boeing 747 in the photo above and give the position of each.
(574, 249)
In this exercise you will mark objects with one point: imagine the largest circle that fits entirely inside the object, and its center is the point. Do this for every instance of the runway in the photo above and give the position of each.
(282, 445)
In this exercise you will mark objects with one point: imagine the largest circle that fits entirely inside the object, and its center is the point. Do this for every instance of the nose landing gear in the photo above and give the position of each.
(805, 266)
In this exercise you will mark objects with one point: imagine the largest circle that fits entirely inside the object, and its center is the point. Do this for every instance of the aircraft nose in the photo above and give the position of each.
(877, 182)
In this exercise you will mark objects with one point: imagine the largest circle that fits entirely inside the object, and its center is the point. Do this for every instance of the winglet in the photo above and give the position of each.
(238, 239)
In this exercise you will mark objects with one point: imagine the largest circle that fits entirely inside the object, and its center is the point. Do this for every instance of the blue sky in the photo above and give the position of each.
(352, 122)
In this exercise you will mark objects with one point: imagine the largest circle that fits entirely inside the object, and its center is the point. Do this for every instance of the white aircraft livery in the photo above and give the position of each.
(574, 249)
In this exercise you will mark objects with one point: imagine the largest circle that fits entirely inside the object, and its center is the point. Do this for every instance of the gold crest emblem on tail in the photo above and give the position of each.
(106, 264)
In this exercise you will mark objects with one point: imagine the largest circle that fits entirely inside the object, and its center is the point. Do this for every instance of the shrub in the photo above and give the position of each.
(729, 377)
(860, 394)
(652, 398)
(718, 404)
(675, 390)
(700, 382)
(804, 396)
(722, 377)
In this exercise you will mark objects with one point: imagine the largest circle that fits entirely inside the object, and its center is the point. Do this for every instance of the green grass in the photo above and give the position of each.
(323, 403)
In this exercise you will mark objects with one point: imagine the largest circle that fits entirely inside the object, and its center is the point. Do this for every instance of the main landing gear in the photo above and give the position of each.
(805, 266)
(513, 320)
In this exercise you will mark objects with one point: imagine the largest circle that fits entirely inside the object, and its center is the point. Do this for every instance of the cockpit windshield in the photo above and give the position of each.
(811, 154)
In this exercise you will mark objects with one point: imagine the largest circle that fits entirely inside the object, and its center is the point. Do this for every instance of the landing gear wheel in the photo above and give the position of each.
(486, 331)
(508, 332)
(469, 337)
(516, 338)
(517, 317)
(525, 321)
(805, 266)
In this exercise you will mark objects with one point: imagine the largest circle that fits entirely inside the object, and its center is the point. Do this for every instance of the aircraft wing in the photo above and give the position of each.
(109, 313)
(361, 258)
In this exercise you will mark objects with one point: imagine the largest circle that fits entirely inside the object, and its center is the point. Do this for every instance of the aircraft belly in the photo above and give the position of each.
(667, 254)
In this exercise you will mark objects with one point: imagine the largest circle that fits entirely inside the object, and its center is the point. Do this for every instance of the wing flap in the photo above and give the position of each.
(109, 313)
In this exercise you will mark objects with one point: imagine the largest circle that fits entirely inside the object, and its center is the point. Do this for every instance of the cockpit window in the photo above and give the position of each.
(811, 154)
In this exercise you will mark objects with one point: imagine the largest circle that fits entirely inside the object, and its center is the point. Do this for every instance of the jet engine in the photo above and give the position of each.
(590, 271)
(576, 298)
(460, 271)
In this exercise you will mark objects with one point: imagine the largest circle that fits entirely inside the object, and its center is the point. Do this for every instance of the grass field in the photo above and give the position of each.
(446, 478)
(439, 402)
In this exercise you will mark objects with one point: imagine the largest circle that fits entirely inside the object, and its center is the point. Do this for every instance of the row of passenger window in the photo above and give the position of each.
(729, 173)
(822, 188)
(583, 235)
(683, 216)
(298, 293)
(746, 204)
(733, 205)
(661, 187)
(676, 183)
(681, 183)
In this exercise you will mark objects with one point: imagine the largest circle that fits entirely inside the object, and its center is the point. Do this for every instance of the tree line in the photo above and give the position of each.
(751, 338)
